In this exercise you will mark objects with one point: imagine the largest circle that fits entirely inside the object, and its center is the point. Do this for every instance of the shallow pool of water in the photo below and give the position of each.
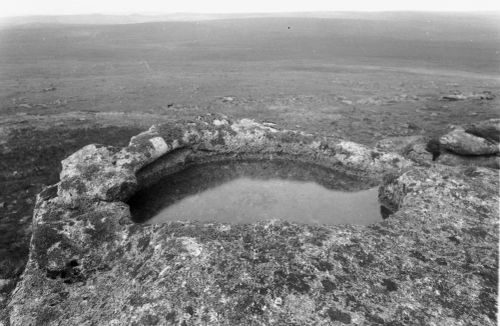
(255, 191)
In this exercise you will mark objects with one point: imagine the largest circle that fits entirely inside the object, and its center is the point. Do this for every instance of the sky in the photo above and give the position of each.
(70, 7)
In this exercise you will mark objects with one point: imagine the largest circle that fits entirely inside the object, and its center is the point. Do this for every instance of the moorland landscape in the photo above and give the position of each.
(363, 77)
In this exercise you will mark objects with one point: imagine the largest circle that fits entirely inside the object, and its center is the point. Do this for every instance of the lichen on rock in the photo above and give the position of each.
(432, 262)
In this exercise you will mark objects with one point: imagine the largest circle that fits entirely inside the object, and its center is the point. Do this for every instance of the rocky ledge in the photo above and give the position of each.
(434, 261)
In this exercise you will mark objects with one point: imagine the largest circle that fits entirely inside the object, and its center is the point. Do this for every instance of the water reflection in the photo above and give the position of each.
(246, 192)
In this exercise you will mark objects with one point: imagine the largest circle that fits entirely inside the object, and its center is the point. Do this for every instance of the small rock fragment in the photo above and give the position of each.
(49, 89)
(454, 97)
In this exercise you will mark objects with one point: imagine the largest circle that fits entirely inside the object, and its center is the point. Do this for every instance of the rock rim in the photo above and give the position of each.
(434, 261)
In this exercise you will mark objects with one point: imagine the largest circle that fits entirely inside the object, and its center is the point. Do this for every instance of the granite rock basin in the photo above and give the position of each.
(434, 261)
(253, 191)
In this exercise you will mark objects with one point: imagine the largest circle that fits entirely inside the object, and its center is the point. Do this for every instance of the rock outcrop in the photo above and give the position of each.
(460, 142)
(475, 144)
(109, 174)
(433, 261)
(488, 129)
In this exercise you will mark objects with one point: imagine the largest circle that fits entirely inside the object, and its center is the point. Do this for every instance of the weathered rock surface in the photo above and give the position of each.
(475, 144)
(472, 145)
(109, 174)
(414, 148)
(398, 144)
(460, 142)
(488, 129)
(433, 262)
(488, 161)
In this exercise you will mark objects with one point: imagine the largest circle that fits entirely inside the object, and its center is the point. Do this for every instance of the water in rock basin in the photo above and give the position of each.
(247, 192)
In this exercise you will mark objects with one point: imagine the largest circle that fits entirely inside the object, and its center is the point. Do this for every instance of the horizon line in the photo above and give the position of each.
(151, 14)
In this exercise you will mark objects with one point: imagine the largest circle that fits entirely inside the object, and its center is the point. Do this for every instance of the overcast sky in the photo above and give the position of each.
(64, 7)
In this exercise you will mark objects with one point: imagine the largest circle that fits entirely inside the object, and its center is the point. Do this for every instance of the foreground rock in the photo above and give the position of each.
(432, 262)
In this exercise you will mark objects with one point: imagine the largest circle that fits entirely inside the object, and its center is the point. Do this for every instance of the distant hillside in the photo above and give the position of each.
(91, 19)
(100, 19)
(467, 42)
